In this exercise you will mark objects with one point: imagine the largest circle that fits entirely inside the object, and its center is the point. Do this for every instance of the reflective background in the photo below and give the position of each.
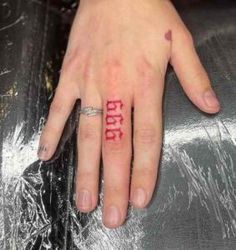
(194, 205)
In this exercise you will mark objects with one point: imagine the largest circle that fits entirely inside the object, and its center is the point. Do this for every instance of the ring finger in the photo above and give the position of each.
(146, 138)
(89, 152)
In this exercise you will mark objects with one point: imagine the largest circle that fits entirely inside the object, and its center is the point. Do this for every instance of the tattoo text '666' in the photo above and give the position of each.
(114, 120)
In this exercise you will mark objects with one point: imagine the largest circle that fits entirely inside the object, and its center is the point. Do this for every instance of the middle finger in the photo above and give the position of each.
(116, 151)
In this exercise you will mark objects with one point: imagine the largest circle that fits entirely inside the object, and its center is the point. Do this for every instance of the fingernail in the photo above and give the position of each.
(211, 99)
(84, 199)
(139, 197)
(112, 216)
(42, 152)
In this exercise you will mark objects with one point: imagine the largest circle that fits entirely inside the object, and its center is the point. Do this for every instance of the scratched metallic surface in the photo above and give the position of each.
(194, 205)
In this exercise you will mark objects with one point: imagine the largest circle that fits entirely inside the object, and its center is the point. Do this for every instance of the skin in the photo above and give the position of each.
(116, 59)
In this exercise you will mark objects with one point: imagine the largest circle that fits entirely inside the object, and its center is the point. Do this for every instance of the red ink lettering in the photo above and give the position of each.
(112, 105)
(112, 134)
(114, 119)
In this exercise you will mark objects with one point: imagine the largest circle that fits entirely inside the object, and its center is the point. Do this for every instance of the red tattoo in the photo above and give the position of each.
(112, 134)
(168, 35)
(112, 105)
(114, 120)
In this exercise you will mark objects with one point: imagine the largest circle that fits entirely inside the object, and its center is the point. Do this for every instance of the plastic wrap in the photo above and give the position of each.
(194, 205)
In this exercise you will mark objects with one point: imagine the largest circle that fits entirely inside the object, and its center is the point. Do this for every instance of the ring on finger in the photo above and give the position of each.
(90, 111)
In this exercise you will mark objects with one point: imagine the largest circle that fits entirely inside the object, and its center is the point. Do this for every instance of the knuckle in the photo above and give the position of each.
(84, 175)
(148, 172)
(113, 147)
(144, 68)
(71, 61)
(147, 76)
(145, 136)
(56, 106)
(145, 175)
(199, 76)
(113, 188)
(51, 129)
(112, 71)
(113, 65)
(88, 132)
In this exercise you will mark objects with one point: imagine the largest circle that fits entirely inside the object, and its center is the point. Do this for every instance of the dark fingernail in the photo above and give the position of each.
(139, 197)
(84, 199)
(112, 216)
(42, 152)
(211, 99)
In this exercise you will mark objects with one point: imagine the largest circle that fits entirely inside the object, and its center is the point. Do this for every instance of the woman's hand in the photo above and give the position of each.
(116, 59)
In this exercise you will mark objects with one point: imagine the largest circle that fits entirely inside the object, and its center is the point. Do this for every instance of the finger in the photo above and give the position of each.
(89, 153)
(60, 109)
(147, 137)
(192, 74)
(116, 151)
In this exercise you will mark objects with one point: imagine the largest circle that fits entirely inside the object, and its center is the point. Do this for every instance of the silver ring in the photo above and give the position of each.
(90, 111)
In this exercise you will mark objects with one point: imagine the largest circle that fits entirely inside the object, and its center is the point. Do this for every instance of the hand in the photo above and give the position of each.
(116, 59)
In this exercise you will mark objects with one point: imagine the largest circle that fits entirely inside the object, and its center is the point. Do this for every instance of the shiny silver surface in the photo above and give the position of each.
(90, 111)
(194, 206)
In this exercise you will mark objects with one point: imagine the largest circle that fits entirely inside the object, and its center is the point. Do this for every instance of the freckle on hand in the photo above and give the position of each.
(168, 35)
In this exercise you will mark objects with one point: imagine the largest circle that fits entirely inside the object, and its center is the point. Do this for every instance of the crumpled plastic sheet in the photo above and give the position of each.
(194, 205)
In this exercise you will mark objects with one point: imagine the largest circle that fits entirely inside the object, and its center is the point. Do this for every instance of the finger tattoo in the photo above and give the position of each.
(114, 120)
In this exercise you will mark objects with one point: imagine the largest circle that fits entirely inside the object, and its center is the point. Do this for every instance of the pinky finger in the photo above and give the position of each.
(192, 75)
